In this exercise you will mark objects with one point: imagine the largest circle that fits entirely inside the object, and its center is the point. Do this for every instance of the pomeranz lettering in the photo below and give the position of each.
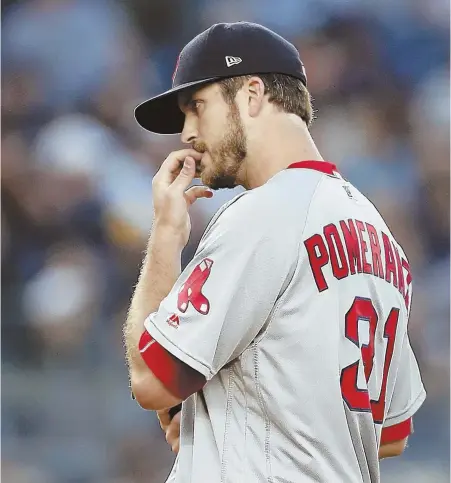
(364, 247)
(352, 246)
(337, 256)
(319, 258)
(375, 250)
(391, 275)
(347, 248)
(406, 266)
(401, 286)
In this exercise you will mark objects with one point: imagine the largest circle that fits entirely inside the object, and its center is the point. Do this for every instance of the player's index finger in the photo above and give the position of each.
(171, 166)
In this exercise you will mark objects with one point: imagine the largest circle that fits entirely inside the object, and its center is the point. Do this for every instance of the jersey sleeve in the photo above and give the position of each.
(225, 295)
(409, 394)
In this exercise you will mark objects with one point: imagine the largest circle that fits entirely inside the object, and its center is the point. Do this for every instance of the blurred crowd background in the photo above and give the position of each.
(77, 204)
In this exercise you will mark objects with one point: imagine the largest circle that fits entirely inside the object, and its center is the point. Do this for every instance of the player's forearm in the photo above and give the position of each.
(390, 450)
(160, 270)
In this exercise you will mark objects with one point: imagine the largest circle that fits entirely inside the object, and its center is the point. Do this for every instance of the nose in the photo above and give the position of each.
(189, 133)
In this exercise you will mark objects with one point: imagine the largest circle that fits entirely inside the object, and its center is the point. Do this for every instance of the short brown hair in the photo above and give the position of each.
(286, 92)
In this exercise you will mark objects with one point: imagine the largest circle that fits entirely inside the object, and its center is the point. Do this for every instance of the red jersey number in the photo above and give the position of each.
(355, 398)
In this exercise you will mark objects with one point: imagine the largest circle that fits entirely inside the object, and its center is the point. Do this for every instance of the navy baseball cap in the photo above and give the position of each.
(224, 50)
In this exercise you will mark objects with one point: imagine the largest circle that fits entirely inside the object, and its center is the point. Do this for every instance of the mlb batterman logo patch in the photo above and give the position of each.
(173, 321)
(191, 290)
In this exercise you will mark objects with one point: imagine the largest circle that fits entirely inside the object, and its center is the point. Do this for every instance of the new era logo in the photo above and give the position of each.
(232, 60)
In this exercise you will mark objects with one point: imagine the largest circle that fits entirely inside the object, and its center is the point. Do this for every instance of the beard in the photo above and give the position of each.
(227, 156)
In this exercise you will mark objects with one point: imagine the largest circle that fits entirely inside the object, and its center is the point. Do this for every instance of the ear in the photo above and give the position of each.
(256, 94)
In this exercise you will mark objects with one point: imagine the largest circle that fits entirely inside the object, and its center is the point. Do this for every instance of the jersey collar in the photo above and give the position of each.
(322, 166)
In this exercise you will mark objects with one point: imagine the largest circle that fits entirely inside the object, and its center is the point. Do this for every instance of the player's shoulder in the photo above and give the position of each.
(287, 195)
(280, 203)
(230, 203)
(222, 210)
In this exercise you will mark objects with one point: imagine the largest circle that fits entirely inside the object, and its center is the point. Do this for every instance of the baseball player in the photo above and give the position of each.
(285, 338)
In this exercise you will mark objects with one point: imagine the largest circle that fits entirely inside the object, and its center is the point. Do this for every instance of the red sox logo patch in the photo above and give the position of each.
(191, 290)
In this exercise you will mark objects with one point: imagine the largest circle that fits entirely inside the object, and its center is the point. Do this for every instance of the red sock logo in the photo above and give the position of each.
(191, 290)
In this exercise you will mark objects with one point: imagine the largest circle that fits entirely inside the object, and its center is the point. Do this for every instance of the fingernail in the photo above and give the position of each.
(188, 164)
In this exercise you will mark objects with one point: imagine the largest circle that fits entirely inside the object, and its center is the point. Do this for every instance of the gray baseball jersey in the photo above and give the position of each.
(295, 309)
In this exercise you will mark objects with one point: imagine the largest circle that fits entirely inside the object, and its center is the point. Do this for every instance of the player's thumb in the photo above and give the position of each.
(186, 174)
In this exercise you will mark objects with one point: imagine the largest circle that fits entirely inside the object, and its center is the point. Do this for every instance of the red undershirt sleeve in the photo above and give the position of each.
(179, 378)
(397, 431)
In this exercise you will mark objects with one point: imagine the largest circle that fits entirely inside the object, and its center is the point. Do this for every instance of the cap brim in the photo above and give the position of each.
(161, 114)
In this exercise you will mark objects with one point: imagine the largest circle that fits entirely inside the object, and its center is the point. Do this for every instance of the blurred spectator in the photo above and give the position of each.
(72, 45)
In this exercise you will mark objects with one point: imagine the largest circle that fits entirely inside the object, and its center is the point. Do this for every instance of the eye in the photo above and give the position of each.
(195, 105)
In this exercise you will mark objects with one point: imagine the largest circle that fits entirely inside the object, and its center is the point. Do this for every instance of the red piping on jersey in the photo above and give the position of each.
(322, 166)
(396, 432)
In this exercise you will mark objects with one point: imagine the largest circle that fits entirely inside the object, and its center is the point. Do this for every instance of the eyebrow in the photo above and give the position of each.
(184, 100)
(186, 97)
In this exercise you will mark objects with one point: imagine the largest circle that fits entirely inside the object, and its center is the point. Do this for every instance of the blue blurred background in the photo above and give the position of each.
(77, 204)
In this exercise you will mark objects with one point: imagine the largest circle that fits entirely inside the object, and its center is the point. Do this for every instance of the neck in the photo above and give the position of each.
(286, 141)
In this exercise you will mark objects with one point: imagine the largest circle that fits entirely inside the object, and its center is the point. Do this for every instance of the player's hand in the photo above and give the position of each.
(171, 428)
(172, 196)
